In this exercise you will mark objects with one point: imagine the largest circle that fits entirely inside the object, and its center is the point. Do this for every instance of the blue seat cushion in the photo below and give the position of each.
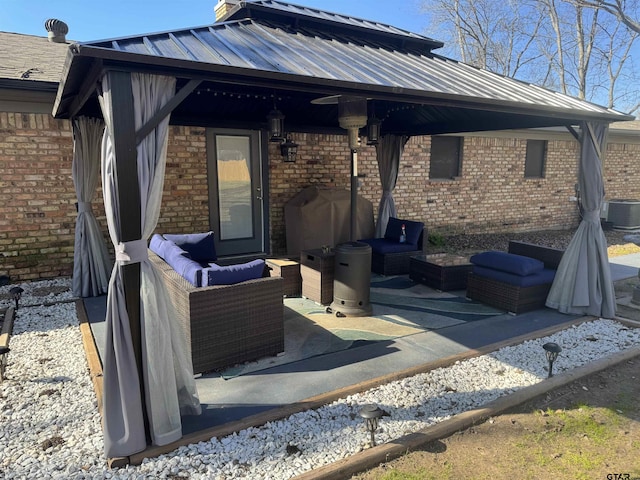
(508, 262)
(199, 246)
(541, 277)
(189, 269)
(383, 246)
(230, 274)
(159, 245)
(412, 229)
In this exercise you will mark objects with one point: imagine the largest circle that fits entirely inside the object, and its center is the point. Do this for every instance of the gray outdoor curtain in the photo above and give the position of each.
(91, 263)
(167, 371)
(388, 152)
(583, 281)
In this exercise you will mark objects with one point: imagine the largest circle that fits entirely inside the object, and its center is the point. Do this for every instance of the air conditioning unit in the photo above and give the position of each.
(624, 214)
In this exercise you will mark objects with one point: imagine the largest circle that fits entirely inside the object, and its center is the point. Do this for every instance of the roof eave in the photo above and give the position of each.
(88, 62)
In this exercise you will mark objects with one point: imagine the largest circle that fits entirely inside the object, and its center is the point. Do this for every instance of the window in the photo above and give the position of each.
(446, 153)
(535, 160)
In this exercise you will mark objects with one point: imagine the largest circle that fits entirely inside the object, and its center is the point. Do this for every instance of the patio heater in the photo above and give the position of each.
(352, 269)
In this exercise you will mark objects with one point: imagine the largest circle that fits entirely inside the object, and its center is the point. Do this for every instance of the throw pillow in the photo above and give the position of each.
(412, 229)
(230, 274)
(163, 248)
(199, 246)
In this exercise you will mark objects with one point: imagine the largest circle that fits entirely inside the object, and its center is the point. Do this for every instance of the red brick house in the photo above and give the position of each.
(507, 180)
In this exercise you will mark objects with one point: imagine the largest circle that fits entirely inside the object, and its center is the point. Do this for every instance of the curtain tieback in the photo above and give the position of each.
(84, 207)
(134, 251)
(387, 193)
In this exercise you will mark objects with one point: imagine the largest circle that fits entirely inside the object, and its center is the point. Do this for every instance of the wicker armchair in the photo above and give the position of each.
(388, 255)
(514, 298)
(397, 263)
(227, 324)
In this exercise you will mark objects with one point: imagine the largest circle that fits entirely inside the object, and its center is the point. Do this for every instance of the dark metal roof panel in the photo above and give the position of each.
(312, 55)
(313, 13)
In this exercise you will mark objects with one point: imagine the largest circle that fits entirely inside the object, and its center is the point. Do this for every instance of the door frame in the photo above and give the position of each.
(259, 244)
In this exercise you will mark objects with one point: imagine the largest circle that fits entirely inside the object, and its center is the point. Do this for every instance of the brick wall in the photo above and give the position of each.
(37, 198)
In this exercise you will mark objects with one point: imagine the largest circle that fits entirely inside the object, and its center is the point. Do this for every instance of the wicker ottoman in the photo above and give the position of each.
(289, 271)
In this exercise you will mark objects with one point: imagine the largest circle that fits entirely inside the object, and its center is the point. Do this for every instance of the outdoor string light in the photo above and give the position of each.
(551, 350)
(16, 292)
(371, 414)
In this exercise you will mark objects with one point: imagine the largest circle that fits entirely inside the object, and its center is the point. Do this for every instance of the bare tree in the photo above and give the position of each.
(566, 45)
(494, 34)
(619, 8)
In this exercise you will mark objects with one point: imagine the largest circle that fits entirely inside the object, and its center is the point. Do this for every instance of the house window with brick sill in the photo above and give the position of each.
(535, 159)
(446, 158)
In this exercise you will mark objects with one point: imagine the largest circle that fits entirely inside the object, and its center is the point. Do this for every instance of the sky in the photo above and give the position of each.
(93, 20)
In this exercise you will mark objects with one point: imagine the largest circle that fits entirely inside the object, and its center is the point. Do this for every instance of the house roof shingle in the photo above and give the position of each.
(31, 58)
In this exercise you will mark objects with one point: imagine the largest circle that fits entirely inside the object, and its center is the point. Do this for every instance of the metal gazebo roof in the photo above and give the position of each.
(268, 52)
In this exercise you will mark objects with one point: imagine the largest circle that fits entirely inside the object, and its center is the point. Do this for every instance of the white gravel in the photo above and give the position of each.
(50, 426)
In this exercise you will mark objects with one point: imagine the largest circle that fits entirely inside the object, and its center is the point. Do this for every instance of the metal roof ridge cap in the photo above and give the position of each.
(398, 33)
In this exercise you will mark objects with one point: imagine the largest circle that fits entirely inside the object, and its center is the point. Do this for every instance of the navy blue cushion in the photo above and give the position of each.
(412, 229)
(383, 246)
(228, 275)
(508, 262)
(199, 246)
(541, 277)
(189, 269)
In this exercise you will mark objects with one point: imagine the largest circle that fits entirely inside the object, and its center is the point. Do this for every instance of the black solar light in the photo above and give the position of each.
(552, 350)
(371, 414)
(16, 292)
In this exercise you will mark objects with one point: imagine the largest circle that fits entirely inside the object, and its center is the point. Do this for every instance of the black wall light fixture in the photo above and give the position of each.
(276, 125)
(289, 150)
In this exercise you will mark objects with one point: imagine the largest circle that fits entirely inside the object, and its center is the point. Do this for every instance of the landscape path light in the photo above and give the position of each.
(552, 350)
(371, 415)
(16, 292)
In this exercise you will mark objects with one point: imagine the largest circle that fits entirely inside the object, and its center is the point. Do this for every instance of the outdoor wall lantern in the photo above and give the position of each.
(371, 415)
(551, 350)
(373, 131)
(16, 292)
(289, 150)
(276, 125)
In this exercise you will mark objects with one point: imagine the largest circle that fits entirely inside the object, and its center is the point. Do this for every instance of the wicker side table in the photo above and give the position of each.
(441, 271)
(289, 270)
(316, 269)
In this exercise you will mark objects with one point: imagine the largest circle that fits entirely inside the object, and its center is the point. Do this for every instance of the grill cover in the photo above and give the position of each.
(317, 217)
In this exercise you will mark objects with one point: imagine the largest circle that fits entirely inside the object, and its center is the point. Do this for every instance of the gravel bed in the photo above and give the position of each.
(50, 426)
(472, 243)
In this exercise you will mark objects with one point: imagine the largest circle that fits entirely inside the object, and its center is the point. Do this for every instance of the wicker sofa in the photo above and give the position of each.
(226, 324)
(503, 291)
(388, 255)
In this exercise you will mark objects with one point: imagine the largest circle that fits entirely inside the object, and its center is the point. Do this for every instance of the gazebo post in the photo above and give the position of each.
(124, 144)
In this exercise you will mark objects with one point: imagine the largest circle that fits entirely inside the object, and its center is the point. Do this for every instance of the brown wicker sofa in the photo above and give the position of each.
(227, 324)
(514, 298)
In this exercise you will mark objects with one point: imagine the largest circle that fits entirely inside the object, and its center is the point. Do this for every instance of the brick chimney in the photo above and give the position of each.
(223, 7)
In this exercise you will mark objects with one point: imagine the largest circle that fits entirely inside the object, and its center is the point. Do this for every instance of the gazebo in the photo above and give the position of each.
(265, 56)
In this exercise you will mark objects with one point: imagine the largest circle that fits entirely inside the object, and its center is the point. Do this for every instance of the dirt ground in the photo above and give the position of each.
(589, 429)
